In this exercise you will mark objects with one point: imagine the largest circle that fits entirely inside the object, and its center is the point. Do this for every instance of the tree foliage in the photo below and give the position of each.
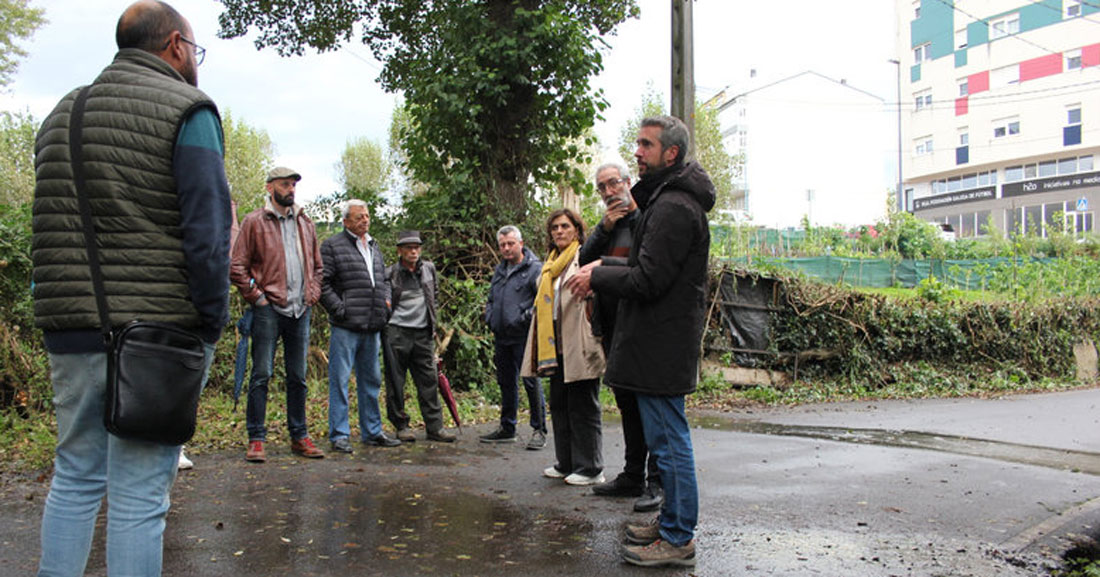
(249, 154)
(495, 90)
(18, 21)
(365, 172)
(17, 131)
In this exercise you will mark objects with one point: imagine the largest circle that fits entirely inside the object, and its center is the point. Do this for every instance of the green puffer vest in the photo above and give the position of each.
(131, 121)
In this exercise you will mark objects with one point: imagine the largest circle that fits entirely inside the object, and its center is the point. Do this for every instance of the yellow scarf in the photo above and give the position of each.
(545, 346)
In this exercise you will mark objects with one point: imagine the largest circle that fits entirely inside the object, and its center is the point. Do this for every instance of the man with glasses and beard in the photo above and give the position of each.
(152, 150)
(277, 267)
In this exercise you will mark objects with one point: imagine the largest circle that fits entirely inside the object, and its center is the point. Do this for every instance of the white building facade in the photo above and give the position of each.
(812, 147)
(1000, 109)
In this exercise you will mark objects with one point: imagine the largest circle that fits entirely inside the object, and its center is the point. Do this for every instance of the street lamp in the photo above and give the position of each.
(900, 199)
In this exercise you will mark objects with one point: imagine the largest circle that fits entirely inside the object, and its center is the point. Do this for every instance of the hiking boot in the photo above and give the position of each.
(644, 534)
(583, 480)
(381, 440)
(537, 441)
(553, 473)
(652, 500)
(441, 436)
(498, 436)
(306, 448)
(255, 452)
(342, 445)
(621, 486)
(406, 435)
(661, 554)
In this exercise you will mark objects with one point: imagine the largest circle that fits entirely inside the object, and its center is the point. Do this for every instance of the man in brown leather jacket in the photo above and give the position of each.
(276, 264)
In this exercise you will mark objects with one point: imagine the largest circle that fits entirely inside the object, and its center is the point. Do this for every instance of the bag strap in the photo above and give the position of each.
(76, 126)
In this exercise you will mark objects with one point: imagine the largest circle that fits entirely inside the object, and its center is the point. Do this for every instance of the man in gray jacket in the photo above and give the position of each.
(356, 295)
(508, 314)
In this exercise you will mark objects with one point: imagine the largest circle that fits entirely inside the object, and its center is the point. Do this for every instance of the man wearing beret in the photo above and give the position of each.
(276, 264)
(409, 345)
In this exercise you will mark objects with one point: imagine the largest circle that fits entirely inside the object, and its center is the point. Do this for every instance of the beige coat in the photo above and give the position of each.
(581, 351)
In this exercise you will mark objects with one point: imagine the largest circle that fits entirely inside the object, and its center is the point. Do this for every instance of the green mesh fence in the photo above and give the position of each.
(869, 272)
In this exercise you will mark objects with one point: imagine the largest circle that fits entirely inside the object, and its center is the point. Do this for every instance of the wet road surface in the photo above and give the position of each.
(936, 488)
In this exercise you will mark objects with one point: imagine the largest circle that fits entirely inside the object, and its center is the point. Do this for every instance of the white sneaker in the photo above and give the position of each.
(184, 462)
(578, 479)
(553, 473)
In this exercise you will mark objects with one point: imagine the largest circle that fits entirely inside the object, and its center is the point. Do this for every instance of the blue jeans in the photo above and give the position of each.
(508, 359)
(348, 349)
(136, 477)
(268, 327)
(669, 437)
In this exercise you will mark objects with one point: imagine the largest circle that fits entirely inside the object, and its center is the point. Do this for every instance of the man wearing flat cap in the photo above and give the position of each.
(408, 343)
(276, 264)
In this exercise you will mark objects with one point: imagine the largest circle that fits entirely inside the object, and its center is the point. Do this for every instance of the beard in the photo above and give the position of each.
(190, 72)
(287, 200)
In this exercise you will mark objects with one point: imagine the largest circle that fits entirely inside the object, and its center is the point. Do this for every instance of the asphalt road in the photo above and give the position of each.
(916, 488)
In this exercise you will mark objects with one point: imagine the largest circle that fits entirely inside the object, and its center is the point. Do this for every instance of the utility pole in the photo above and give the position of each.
(683, 66)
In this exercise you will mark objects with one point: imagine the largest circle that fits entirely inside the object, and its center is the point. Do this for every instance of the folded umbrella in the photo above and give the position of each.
(447, 394)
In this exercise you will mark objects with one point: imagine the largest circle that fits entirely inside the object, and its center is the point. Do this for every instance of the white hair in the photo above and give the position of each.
(353, 202)
(510, 229)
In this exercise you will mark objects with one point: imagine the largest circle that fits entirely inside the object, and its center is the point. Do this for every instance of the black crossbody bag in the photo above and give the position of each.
(154, 370)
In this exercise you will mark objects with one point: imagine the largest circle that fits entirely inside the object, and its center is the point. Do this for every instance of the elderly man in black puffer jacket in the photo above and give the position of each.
(356, 294)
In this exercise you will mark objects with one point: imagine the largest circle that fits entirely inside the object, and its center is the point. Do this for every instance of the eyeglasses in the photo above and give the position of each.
(611, 182)
(200, 52)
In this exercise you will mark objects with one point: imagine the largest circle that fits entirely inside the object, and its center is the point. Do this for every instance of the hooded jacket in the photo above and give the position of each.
(512, 297)
(662, 287)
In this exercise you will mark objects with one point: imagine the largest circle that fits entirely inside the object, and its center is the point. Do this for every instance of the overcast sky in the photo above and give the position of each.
(312, 105)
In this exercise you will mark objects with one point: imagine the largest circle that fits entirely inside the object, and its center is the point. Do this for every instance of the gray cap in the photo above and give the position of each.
(282, 172)
(408, 237)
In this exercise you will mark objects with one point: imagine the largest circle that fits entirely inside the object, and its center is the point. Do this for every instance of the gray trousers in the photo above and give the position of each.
(411, 351)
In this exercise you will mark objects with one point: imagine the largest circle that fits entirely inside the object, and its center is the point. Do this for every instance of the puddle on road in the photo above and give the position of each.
(362, 523)
(1062, 459)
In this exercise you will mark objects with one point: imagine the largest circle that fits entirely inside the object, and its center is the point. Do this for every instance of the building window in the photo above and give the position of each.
(1004, 26)
(1004, 76)
(1048, 168)
(1067, 165)
(908, 199)
(964, 87)
(1006, 127)
(923, 146)
(1072, 8)
(960, 39)
(962, 155)
(922, 53)
(1084, 163)
(1073, 59)
(1014, 173)
(922, 100)
(916, 9)
(1071, 133)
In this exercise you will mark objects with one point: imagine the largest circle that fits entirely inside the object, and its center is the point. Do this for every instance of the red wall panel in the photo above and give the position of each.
(1090, 55)
(1040, 67)
(962, 106)
(978, 82)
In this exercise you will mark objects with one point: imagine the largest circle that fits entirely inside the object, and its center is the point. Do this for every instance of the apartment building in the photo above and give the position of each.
(1000, 113)
(812, 146)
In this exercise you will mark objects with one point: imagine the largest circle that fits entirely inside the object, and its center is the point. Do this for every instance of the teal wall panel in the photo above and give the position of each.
(914, 73)
(1042, 13)
(977, 33)
(960, 58)
(935, 25)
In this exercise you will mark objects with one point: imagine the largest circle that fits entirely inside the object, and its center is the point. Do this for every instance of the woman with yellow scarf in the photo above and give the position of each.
(560, 345)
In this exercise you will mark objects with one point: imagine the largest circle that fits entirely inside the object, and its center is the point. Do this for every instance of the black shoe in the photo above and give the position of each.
(381, 440)
(619, 487)
(441, 437)
(342, 445)
(498, 436)
(652, 500)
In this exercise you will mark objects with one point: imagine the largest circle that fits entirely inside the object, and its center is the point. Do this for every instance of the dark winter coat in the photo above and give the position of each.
(353, 302)
(512, 297)
(662, 288)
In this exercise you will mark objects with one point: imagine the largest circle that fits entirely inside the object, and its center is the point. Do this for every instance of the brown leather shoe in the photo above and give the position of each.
(255, 452)
(406, 435)
(306, 448)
